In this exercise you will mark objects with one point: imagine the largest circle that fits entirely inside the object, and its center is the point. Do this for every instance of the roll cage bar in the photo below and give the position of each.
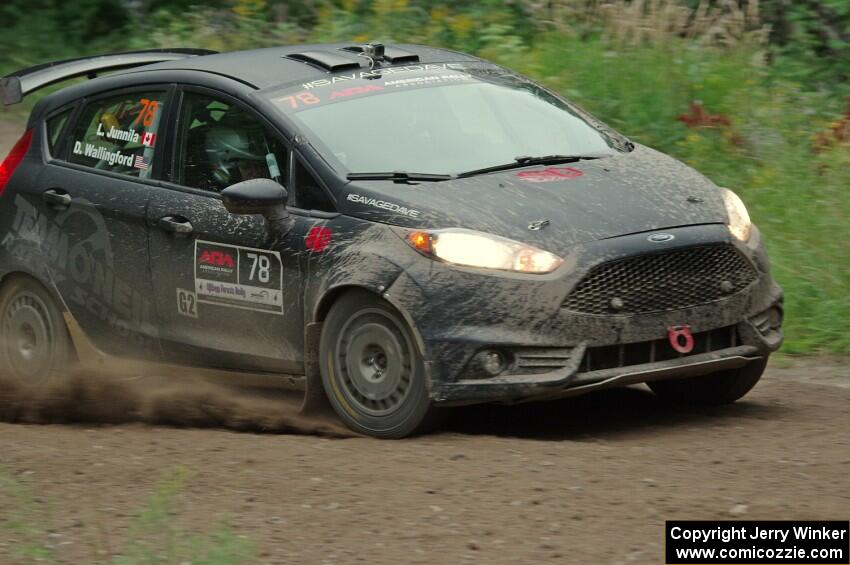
(16, 85)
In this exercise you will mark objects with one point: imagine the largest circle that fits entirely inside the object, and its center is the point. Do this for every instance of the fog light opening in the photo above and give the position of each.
(492, 362)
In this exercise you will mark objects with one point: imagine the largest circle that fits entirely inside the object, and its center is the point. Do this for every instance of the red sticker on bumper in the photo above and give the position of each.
(681, 338)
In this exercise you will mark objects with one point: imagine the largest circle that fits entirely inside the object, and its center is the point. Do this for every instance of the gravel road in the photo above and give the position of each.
(589, 479)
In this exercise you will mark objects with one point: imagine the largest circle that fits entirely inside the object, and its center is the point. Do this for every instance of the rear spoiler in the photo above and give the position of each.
(14, 86)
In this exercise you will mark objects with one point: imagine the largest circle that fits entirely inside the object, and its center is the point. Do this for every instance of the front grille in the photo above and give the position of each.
(628, 354)
(662, 281)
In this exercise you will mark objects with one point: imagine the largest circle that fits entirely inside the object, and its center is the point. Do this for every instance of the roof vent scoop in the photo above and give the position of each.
(325, 60)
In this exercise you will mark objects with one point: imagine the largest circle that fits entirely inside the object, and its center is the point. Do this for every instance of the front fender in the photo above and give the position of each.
(365, 255)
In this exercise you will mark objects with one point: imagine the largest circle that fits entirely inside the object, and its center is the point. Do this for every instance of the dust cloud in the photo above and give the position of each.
(101, 398)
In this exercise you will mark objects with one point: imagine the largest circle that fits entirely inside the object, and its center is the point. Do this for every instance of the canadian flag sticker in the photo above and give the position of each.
(148, 139)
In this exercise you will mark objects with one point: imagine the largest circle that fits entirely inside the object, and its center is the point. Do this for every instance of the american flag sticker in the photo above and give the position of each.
(141, 163)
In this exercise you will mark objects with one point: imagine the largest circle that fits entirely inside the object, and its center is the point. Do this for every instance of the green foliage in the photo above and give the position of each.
(812, 38)
(799, 200)
(777, 96)
(154, 538)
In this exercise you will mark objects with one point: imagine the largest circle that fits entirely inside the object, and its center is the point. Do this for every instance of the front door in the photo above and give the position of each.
(227, 293)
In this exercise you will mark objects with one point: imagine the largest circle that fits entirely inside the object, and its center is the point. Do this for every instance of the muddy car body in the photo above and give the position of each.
(449, 233)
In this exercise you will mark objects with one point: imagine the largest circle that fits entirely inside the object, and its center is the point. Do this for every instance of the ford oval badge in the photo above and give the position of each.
(661, 237)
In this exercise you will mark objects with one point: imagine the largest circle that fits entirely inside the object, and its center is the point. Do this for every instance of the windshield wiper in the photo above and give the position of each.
(525, 161)
(399, 176)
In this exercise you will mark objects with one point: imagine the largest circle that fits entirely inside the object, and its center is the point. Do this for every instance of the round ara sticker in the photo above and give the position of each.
(550, 174)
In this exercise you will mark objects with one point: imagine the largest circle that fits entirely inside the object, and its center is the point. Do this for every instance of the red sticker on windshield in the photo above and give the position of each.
(550, 174)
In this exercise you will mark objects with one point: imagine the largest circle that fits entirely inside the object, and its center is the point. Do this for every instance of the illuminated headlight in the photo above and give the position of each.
(739, 220)
(475, 249)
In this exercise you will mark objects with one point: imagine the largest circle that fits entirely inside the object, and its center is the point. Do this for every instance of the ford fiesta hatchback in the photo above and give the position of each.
(395, 229)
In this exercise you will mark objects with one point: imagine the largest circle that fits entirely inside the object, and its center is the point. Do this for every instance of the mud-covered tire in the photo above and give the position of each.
(372, 370)
(35, 347)
(724, 387)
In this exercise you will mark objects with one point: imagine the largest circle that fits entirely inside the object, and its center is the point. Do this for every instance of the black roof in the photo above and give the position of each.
(262, 68)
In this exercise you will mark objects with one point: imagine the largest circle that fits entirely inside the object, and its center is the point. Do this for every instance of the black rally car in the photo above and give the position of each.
(401, 227)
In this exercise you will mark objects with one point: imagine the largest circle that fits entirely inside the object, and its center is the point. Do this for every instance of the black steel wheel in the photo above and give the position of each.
(724, 387)
(372, 371)
(34, 343)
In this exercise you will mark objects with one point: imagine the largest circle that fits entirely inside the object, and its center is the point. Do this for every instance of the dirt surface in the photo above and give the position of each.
(116, 469)
(590, 479)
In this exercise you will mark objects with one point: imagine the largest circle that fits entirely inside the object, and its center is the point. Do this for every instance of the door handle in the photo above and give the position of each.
(56, 198)
(176, 225)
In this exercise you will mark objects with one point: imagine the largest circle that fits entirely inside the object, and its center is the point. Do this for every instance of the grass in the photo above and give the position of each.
(799, 200)
(153, 538)
(22, 521)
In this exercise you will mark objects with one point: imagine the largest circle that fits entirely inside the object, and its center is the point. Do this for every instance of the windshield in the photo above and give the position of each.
(437, 121)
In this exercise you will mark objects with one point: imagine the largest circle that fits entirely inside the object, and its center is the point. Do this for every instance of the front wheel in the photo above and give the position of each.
(724, 387)
(372, 371)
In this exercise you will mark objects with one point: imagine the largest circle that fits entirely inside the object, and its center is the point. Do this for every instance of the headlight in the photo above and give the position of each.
(474, 249)
(739, 220)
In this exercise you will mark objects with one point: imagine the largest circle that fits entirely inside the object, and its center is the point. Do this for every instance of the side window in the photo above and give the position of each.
(309, 194)
(118, 134)
(221, 144)
(55, 125)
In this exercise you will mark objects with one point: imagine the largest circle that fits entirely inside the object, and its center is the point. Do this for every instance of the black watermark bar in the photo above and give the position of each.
(745, 542)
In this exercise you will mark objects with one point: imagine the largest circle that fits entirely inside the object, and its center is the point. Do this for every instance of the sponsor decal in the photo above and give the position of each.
(238, 277)
(147, 114)
(76, 247)
(318, 239)
(216, 260)
(354, 91)
(383, 204)
(681, 339)
(550, 174)
(299, 99)
(434, 79)
(378, 73)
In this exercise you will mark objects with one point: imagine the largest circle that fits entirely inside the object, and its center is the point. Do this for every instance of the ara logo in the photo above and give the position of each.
(216, 258)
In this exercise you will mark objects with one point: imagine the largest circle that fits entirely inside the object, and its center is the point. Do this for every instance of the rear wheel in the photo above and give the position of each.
(372, 371)
(714, 389)
(34, 343)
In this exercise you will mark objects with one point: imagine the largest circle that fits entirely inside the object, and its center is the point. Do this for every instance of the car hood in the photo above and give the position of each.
(634, 192)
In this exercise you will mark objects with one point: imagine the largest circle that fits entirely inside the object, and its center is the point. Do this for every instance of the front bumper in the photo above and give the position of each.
(572, 381)
(458, 312)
